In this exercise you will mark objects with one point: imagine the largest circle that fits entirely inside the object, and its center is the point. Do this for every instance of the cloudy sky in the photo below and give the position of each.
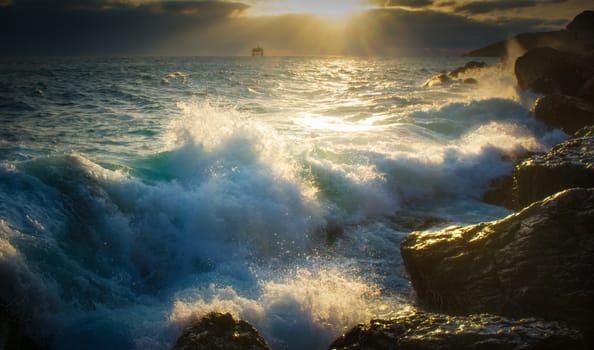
(283, 27)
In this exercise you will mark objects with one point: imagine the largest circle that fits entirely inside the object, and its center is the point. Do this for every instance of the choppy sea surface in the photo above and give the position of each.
(138, 192)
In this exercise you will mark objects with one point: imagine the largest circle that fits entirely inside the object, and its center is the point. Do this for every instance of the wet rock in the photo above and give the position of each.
(501, 192)
(535, 263)
(567, 165)
(413, 222)
(549, 71)
(217, 331)
(582, 26)
(468, 66)
(437, 80)
(564, 112)
(425, 331)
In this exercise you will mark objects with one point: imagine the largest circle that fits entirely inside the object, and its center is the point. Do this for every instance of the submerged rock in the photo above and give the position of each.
(413, 222)
(536, 263)
(567, 165)
(564, 112)
(549, 71)
(453, 75)
(421, 330)
(437, 80)
(220, 331)
(501, 192)
(468, 66)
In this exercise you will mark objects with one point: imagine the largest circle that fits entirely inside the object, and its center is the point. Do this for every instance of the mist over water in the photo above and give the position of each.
(138, 193)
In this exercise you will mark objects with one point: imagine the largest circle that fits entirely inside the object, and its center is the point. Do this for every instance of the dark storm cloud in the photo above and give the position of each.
(445, 3)
(201, 8)
(64, 27)
(396, 28)
(403, 3)
(211, 8)
(125, 27)
(481, 7)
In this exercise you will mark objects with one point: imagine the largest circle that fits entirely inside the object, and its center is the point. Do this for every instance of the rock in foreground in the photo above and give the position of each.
(536, 263)
(432, 331)
(217, 331)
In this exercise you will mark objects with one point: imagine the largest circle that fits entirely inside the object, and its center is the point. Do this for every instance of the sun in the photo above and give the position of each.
(334, 9)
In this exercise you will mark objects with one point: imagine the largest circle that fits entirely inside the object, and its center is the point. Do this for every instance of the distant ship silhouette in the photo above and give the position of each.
(258, 51)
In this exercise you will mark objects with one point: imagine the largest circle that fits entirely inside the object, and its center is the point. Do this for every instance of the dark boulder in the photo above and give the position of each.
(472, 65)
(437, 80)
(217, 331)
(549, 71)
(582, 26)
(564, 112)
(535, 263)
(501, 191)
(424, 331)
(567, 165)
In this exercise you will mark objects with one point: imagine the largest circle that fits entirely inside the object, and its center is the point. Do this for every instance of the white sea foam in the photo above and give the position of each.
(115, 231)
(319, 301)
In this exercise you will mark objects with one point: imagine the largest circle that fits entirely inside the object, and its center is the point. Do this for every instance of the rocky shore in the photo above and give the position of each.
(420, 330)
(525, 281)
(539, 261)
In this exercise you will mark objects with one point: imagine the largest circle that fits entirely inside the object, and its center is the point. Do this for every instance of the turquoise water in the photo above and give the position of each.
(138, 192)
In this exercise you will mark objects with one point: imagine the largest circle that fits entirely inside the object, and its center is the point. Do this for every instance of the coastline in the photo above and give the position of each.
(447, 274)
(495, 267)
(538, 188)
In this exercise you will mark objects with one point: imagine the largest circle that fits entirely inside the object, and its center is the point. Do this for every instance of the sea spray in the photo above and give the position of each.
(321, 301)
(258, 187)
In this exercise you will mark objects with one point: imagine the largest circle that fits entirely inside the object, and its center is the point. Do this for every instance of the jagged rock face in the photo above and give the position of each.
(567, 165)
(425, 331)
(582, 26)
(549, 71)
(564, 112)
(536, 263)
(217, 331)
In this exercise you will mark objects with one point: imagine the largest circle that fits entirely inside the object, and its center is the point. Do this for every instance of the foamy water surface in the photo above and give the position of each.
(136, 193)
